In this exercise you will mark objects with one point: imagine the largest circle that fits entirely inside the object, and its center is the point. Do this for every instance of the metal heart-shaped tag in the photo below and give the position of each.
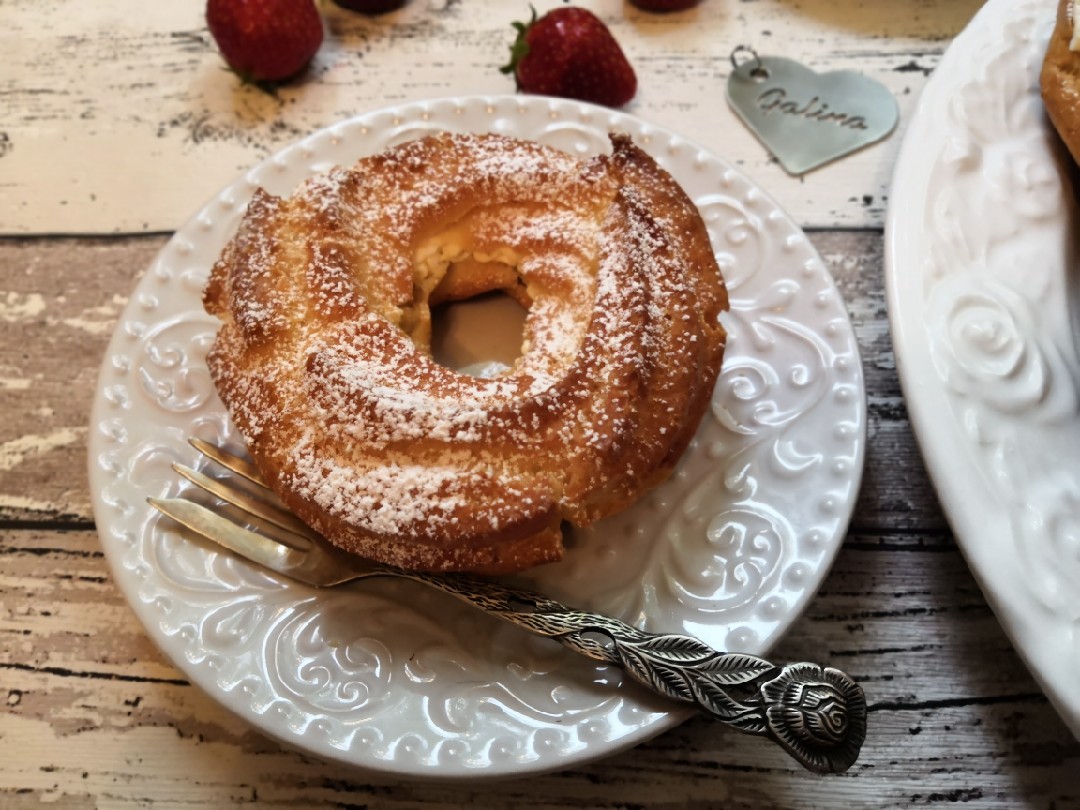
(807, 119)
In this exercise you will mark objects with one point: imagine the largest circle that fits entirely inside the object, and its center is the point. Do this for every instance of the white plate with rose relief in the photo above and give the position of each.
(394, 678)
(981, 268)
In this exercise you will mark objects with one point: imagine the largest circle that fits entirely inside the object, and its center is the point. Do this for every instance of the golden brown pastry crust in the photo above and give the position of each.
(1060, 81)
(323, 362)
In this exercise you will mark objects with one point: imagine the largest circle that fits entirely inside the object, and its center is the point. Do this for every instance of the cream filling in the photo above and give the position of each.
(435, 255)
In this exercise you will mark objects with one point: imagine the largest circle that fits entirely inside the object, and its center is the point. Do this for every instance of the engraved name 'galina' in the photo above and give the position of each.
(776, 100)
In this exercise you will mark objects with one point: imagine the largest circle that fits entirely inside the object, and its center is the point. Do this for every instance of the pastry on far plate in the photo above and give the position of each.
(323, 358)
(1061, 76)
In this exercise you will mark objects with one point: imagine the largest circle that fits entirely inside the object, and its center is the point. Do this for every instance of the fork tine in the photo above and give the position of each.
(248, 544)
(240, 466)
(241, 499)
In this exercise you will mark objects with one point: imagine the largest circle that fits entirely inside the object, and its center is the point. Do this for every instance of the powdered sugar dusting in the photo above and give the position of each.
(384, 499)
(391, 454)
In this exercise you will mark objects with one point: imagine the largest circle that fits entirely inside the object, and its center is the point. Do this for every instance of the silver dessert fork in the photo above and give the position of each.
(817, 714)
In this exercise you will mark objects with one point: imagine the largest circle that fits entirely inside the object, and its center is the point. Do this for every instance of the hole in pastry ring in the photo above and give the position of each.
(322, 358)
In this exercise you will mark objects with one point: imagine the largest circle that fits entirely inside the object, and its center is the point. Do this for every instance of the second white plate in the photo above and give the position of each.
(981, 262)
(394, 678)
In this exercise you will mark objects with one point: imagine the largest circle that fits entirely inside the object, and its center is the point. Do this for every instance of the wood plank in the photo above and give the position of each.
(96, 715)
(140, 102)
(59, 303)
(896, 494)
(60, 298)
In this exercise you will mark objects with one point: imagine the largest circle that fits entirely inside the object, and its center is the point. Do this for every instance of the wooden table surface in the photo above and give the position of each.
(117, 121)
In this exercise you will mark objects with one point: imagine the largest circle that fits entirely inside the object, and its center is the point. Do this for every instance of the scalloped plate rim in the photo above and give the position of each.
(925, 395)
(234, 701)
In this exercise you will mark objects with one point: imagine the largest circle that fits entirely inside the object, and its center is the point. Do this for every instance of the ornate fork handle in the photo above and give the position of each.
(817, 714)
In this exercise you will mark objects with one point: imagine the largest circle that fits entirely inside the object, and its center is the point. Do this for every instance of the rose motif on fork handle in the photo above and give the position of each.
(817, 714)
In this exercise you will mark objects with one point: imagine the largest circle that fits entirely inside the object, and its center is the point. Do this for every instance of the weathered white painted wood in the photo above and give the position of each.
(60, 298)
(115, 116)
(119, 116)
(94, 716)
(58, 307)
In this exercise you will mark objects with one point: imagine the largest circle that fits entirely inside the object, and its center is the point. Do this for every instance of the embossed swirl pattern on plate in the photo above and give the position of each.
(999, 338)
(983, 256)
(396, 678)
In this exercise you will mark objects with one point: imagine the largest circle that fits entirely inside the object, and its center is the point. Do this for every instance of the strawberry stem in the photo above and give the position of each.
(520, 47)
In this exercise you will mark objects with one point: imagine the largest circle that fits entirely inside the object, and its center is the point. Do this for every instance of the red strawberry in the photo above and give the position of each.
(265, 40)
(664, 5)
(569, 52)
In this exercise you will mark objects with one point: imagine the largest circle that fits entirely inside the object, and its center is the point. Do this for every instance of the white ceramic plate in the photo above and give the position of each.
(981, 264)
(391, 677)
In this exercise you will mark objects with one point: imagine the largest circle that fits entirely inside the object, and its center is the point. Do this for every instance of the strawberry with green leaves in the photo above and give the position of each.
(570, 52)
(265, 40)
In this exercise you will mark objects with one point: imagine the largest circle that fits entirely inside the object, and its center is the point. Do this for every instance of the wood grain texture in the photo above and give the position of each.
(118, 118)
(96, 717)
(63, 297)
(122, 117)
(59, 302)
